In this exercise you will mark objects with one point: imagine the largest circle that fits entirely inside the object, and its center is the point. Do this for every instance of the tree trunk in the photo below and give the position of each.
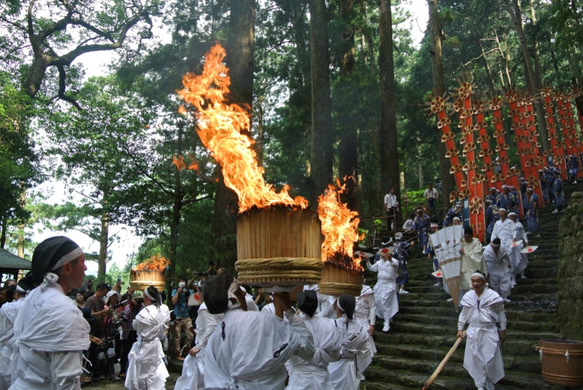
(439, 90)
(240, 52)
(177, 203)
(21, 225)
(347, 147)
(389, 154)
(103, 242)
(322, 139)
(531, 77)
(505, 76)
(488, 70)
(240, 62)
(36, 74)
(3, 226)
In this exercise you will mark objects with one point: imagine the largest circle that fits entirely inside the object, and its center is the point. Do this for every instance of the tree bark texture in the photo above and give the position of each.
(347, 126)
(388, 154)
(240, 62)
(531, 76)
(322, 139)
(439, 90)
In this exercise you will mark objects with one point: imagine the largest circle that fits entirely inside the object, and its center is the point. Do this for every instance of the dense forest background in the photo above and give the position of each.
(334, 88)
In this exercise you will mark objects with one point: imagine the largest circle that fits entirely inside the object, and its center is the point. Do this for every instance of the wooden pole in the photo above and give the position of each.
(443, 363)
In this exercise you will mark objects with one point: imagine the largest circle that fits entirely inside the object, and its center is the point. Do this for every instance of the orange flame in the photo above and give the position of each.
(179, 162)
(339, 225)
(154, 263)
(219, 128)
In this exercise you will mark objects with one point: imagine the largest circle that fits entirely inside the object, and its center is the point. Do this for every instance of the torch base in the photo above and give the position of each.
(279, 271)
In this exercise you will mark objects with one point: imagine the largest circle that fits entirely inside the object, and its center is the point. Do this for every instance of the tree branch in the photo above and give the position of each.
(480, 56)
(62, 87)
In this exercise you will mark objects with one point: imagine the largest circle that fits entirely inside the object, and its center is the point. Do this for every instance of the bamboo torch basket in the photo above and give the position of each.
(278, 246)
(338, 279)
(140, 280)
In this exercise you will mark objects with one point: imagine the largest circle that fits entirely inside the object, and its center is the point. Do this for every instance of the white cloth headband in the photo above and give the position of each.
(74, 254)
(146, 293)
(479, 275)
(339, 305)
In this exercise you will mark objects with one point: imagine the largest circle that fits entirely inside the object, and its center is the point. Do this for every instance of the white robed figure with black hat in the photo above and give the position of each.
(344, 372)
(497, 259)
(192, 377)
(313, 373)
(248, 349)
(50, 331)
(146, 368)
(365, 313)
(483, 310)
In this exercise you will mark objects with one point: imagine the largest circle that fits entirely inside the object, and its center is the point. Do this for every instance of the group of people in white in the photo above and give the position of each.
(325, 340)
(487, 276)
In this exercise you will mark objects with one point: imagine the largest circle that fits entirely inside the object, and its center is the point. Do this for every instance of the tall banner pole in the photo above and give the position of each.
(514, 103)
(502, 166)
(532, 147)
(438, 107)
(566, 141)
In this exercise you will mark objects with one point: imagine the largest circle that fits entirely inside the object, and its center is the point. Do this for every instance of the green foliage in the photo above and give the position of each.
(114, 273)
(17, 160)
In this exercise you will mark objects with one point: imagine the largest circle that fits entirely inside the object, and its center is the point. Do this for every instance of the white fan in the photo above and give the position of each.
(447, 244)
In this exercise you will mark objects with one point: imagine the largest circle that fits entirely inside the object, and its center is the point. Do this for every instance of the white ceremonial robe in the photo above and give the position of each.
(504, 230)
(498, 265)
(8, 313)
(192, 377)
(248, 350)
(519, 260)
(51, 335)
(385, 290)
(313, 374)
(482, 357)
(146, 368)
(365, 313)
(343, 373)
(472, 260)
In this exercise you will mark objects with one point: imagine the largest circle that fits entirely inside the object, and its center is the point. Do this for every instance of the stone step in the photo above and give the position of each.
(450, 319)
(424, 329)
(513, 311)
(419, 359)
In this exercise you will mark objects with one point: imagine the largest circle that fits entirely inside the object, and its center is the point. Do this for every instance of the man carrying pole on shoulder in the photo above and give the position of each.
(483, 310)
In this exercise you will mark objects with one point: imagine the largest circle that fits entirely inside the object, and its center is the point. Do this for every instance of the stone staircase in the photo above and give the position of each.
(424, 329)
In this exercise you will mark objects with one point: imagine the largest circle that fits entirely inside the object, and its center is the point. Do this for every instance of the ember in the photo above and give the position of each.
(220, 127)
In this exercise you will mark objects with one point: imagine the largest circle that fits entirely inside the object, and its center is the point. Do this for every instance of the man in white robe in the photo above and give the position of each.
(192, 377)
(304, 374)
(146, 368)
(503, 229)
(50, 330)
(520, 239)
(8, 313)
(498, 264)
(483, 310)
(472, 259)
(248, 350)
(365, 314)
(385, 290)
(344, 373)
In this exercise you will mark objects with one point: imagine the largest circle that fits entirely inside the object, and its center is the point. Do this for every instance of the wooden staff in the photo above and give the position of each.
(443, 363)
